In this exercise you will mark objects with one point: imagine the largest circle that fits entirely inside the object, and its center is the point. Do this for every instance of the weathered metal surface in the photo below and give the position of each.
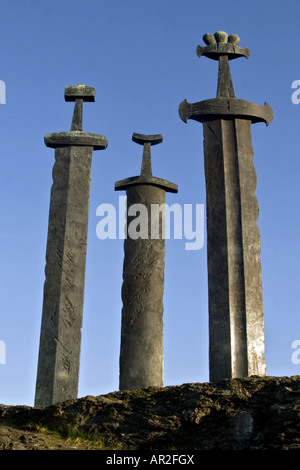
(236, 324)
(141, 352)
(60, 339)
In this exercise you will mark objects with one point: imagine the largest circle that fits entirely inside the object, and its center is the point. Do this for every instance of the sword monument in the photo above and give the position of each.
(236, 325)
(60, 339)
(141, 352)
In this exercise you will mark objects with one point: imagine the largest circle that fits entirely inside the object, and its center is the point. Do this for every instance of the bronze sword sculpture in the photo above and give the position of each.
(141, 352)
(236, 324)
(60, 339)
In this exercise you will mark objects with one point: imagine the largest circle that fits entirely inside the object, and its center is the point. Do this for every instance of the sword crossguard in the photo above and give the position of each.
(146, 176)
(79, 94)
(224, 47)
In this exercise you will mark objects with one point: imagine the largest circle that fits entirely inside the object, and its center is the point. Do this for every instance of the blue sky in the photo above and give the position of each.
(141, 58)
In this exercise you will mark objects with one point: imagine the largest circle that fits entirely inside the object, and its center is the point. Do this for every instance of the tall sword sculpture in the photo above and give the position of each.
(141, 352)
(236, 325)
(60, 339)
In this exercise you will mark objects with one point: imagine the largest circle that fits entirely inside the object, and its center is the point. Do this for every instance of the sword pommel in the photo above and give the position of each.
(79, 94)
(219, 44)
(147, 139)
(83, 92)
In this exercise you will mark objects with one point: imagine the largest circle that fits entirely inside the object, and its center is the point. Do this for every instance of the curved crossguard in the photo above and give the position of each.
(147, 141)
(79, 94)
(223, 48)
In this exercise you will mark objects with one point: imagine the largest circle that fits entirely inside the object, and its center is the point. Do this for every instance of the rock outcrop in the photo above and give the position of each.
(235, 414)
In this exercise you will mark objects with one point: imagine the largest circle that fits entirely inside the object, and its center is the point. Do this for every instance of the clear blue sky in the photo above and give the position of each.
(141, 58)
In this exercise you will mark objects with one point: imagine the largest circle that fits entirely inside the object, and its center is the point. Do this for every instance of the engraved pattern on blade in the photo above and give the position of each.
(236, 326)
(140, 273)
(141, 351)
(143, 271)
(252, 249)
(141, 354)
(64, 276)
(60, 337)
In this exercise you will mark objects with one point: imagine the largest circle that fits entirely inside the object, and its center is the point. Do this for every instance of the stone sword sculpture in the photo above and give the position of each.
(60, 338)
(236, 324)
(141, 351)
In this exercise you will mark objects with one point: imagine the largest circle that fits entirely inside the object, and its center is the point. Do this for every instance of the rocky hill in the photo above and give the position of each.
(238, 414)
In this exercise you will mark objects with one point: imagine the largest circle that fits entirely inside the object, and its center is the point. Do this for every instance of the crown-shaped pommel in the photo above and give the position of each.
(221, 43)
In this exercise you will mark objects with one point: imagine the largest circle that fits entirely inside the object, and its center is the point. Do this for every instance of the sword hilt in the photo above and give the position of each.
(146, 176)
(219, 44)
(79, 94)
(147, 141)
(223, 48)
